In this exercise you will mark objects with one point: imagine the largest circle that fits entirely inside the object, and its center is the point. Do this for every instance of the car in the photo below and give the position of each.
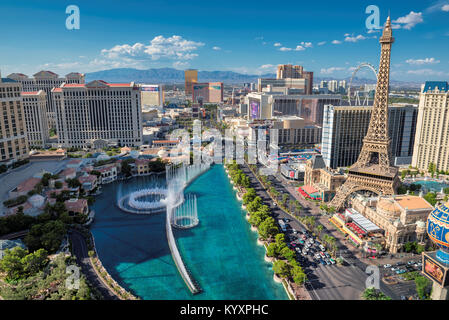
(287, 220)
(297, 249)
(411, 262)
(327, 255)
(401, 271)
(386, 266)
(394, 268)
(417, 266)
(322, 261)
(301, 241)
(410, 268)
(332, 260)
(322, 254)
(403, 298)
(400, 264)
(327, 261)
(293, 244)
(295, 232)
(322, 248)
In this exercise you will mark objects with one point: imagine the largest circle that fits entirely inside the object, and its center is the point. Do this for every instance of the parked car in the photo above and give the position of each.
(322, 254)
(332, 260)
(295, 232)
(327, 255)
(411, 262)
(401, 271)
(386, 266)
(322, 248)
(394, 268)
(322, 261)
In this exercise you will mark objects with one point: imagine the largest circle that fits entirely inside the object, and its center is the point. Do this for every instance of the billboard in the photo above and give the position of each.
(435, 270)
(152, 88)
(254, 107)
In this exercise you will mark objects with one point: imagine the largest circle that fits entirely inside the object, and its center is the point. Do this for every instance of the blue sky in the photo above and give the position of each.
(327, 37)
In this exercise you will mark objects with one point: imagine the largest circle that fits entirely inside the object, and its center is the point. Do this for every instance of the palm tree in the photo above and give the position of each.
(319, 229)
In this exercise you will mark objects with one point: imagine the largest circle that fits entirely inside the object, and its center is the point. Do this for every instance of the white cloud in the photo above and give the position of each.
(409, 21)
(427, 72)
(445, 8)
(216, 48)
(321, 43)
(180, 64)
(336, 42)
(372, 31)
(277, 44)
(330, 70)
(355, 38)
(300, 48)
(306, 44)
(347, 35)
(285, 49)
(172, 48)
(422, 61)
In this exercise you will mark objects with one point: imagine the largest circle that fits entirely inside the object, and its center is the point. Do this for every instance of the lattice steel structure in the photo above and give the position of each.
(373, 170)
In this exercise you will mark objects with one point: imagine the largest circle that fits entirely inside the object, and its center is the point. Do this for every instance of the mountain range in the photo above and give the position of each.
(173, 76)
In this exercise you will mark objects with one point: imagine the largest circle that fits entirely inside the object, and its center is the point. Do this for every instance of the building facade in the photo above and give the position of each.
(190, 77)
(36, 121)
(402, 218)
(207, 92)
(288, 71)
(98, 114)
(266, 105)
(152, 95)
(46, 81)
(432, 132)
(13, 138)
(345, 127)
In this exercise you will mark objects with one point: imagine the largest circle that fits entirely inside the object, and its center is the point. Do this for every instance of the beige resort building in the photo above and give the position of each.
(402, 218)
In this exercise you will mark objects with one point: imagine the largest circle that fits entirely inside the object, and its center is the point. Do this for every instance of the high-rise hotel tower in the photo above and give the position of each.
(432, 128)
(98, 114)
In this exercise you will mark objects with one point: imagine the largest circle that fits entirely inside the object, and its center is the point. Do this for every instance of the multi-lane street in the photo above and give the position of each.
(325, 282)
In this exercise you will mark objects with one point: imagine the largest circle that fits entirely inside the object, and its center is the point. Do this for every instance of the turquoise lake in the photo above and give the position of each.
(221, 252)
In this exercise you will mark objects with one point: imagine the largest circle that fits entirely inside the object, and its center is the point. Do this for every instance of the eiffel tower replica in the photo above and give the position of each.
(373, 170)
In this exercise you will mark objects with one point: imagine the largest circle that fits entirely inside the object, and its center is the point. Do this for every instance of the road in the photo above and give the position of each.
(79, 248)
(330, 282)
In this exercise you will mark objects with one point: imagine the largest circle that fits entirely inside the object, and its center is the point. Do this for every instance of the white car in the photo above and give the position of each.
(387, 266)
(322, 248)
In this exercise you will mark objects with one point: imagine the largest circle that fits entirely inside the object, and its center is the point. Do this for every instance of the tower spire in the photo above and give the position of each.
(373, 170)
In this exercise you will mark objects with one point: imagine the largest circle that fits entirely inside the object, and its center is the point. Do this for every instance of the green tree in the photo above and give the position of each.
(249, 196)
(267, 228)
(35, 261)
(12, 263)
(281, 268)
(272, 250)
(298, 275)
(422, 284)
(374, 294)
(287, 253)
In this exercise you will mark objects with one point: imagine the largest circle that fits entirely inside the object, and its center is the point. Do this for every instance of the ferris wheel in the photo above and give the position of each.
(357, 93)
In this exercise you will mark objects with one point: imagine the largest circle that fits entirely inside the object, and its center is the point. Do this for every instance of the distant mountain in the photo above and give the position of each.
(170, 75)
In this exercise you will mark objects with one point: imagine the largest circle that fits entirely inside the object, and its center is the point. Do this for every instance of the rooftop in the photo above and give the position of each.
(413, 202)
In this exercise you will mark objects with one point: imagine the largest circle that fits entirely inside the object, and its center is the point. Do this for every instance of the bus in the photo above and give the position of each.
(282, 225)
